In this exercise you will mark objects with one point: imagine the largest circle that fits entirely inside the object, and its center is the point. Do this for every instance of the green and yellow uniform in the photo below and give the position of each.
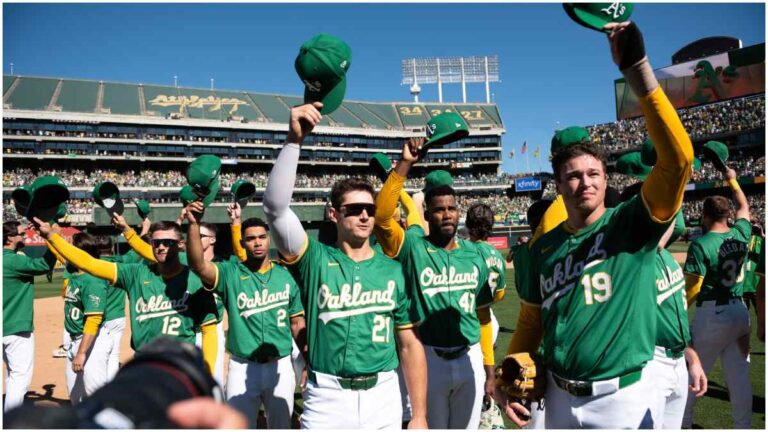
(672, 312)
(86, 295)
(496, 268)
(19, 273)
(750, 277)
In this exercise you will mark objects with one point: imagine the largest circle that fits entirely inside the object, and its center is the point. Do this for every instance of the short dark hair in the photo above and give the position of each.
(165, 226)
(252, 222)
(438, 191)
(210, 227)
(10, 229)
(104, 244)
(341, 187)
(575, 150)
(717, 207)
(87, 243)
(536, 212)
(479, 220)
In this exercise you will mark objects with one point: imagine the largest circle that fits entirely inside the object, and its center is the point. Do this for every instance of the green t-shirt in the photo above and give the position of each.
(720, 258)
(521, 261)
(19, 273)
(173, 307)
(352, 310)
(672, 312)
(260, 306)
(750, 277)
(598, 308)
(85, 295)
(496, 266)
(448, 287)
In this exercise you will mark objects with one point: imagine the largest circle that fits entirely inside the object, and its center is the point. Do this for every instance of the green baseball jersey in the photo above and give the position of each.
(173, 307)
(753, 258)
(598, 308)
(115, 298)
(760, 270)
(19, 273)
(720, 258)
(85, 295)
(447, 286)
(521, 260)
(260, 306)
(672, 312)
(496, 266)
(352, 310)
(130, 257)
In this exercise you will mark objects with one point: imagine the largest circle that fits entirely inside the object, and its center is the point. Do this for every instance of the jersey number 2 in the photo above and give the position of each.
(381, 326)
(171, 325)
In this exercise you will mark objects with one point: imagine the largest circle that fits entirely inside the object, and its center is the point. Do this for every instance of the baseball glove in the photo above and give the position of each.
(522, 376)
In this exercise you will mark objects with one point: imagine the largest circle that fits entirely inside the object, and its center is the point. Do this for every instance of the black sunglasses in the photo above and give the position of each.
(356, 209)
(164, 242)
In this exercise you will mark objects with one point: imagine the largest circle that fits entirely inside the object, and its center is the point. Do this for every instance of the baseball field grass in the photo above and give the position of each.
(712, 410)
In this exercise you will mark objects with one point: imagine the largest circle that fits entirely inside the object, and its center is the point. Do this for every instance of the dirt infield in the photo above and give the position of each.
(48, 382)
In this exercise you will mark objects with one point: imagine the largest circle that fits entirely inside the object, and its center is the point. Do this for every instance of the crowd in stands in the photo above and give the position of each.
(692, 208)
(706, 120)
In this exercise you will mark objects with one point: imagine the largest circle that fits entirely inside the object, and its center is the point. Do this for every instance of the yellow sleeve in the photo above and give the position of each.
(237, 248)
(64, 286)
(92, 323)
(486, 336)
(499, 295)
(663, 190)
(414, 216)
(554, 216)
(388, 232)
(693, 284)
(55, 253)
(84, 261)
(210, 344)
(528, 332)
(140, 246)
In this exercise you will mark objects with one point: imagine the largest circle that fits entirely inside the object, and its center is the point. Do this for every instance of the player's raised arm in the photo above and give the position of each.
(388, 231)
(206, 270)
(234, 211)
(288, 234)
(134, 240)
(742, 205)
(663, 190)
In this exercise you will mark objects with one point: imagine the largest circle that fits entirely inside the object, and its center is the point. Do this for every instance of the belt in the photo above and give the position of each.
(450, 354)
(718, 302)
(597, 388)
(362, 382)
(264, 359)
(673, 354)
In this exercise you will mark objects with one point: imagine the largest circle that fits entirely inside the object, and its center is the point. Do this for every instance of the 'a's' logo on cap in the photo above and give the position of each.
(616, 9)
(431, 129)
(343, 64)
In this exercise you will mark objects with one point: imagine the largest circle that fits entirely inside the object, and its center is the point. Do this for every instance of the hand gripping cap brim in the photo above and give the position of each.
(331, 98)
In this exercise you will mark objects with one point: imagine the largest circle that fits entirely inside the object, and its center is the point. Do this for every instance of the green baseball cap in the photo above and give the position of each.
(187, 195)
(445, 128)
(648, 154)
(596, 15)
(22, 198)
(61, 212)
(243, 191)
(631, 164)
(48, 192)
(568, 136)
(107, 195)
(203, 177)
(381, 165)
(322, 65)
(143, 208)
(717, 153)
(437, 179)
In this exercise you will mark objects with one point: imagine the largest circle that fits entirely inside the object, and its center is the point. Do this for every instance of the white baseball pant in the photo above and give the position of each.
(249, 384)
(298, 361)
(455, 389)
(328, 406)
(632, 407)
(715, 331)
(538, 418)
(671, 379)
(115, 328)
(218, 368)
(19, 357)
(95, 371)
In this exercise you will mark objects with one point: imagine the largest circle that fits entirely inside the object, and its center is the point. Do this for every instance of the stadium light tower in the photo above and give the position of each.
(12, 70)
(450, 70)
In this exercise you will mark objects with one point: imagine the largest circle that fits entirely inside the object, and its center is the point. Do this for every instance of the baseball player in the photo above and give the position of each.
(19, 273)
(355, 302)
(164, 298)
(85, 305)
(714, 270)
(449, 283)
(750, 275)
(265, 311)
(760, 271)
(114, 315)
(596, 311)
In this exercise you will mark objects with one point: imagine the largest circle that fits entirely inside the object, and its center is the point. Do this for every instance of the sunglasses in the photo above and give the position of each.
(164, 242)
(356, 209)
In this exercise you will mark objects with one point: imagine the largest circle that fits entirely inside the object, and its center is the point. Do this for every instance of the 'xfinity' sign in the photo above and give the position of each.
(527, 184)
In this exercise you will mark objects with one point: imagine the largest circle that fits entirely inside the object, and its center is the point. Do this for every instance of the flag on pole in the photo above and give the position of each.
(524, 147)
(536, 152)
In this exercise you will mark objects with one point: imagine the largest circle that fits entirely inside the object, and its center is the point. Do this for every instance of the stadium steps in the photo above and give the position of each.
(55, 97)
(142, 101)
(123, 99)
(100, 98)
(493, 113)
(32, 93)
(366, 116)
(387, 113)
(9, 86)
(275, 111)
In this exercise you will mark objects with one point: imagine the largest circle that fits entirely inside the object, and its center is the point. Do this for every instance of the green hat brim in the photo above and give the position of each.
(48, 191)
(62, 211)
(22, 199)
(441, 139)
(381, 165)
(187, 195)
(143, 208)
(243, 191)
(213, 190)
(331, 100)
(696, 164)
(102, 192)
(717, 154)
(584, 19)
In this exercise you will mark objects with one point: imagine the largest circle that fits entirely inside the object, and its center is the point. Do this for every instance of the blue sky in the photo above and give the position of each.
(553, 71)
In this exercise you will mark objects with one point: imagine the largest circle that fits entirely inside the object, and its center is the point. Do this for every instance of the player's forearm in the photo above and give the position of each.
(528, 331)
(237, 248)
(486, 336)
(414, 371)
(204, 269)
(84, 261)
(141, 247)
(55, 253)
(739, 199)
(90, 329)
(299, 333)
(664, 188)
(413, 213)
(210, 345)
(692, 287)
(287, 231)
(388, 232)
